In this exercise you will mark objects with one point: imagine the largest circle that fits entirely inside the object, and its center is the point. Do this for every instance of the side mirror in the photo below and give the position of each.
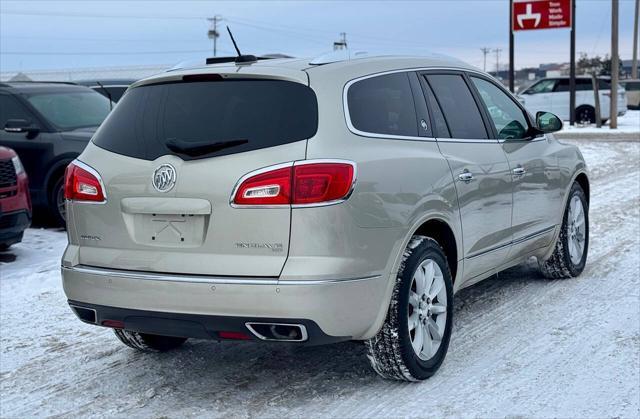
(547, 122)
(21, 125)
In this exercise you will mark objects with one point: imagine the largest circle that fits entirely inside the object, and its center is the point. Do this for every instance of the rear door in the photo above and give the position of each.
(170, 155)
(479, 168)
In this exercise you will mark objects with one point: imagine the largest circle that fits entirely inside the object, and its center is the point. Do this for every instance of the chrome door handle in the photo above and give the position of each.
(519, 171)
(466, 176)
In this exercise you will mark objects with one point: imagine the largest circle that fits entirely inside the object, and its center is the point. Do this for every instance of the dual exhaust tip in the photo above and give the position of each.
(281, 332)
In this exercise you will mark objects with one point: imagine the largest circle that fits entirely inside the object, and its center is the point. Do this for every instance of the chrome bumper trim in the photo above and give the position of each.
(151, 276)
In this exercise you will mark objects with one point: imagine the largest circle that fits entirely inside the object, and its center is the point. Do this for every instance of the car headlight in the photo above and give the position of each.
(17, 164)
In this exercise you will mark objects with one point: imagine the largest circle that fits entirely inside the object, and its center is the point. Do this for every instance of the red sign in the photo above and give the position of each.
(540, 14)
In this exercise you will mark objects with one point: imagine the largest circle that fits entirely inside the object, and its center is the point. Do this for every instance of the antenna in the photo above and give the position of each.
(234, 42)
(241, 58)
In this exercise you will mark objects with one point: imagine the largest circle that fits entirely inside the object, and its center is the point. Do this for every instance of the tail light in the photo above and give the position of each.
(82, 183)
(303, 183)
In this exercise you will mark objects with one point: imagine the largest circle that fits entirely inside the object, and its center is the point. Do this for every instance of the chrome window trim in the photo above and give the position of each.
(203, 279)
(354, 130)
(95, 173)
(291, 164)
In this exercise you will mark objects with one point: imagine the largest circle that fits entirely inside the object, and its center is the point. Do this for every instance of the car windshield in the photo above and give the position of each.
(71, 110)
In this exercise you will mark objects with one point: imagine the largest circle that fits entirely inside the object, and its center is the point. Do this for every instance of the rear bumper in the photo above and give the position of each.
(331, 310)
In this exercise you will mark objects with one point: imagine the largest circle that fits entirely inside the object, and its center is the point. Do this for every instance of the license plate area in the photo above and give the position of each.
(167, 230)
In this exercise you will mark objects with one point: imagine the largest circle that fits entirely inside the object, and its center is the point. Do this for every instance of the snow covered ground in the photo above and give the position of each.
(628, 128)
(521, 346)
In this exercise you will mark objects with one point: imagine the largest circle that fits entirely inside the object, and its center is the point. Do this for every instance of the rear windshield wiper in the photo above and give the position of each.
(199, 148)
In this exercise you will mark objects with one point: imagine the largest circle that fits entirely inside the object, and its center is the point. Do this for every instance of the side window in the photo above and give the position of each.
(439, 123)
(383, 105)
(10, 108)
(458, 105)
(543, 86)
(507, 117)
(584, 84)
(562, 86)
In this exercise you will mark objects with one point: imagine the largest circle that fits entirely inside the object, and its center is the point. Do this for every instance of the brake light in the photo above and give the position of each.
(81, 183)
(303, 183)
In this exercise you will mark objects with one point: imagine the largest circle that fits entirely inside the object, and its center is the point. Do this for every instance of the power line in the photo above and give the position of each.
(195, 51)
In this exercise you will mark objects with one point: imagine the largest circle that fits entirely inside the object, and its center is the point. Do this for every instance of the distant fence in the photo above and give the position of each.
(75, 74)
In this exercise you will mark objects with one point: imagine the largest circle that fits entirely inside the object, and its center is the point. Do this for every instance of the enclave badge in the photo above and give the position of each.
(164, 178)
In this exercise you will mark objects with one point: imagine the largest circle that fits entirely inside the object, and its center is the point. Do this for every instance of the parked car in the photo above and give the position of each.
(112, 89)
(15, 204)
(632, 86)
(48, 125)
(316, 202)
(552, 94)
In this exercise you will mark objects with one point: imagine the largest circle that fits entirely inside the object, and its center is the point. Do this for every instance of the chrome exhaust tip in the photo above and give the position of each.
(281, 332)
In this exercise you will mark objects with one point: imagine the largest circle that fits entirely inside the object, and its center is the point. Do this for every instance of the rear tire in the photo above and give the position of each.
(148, 343)
(570, 253)
(413, 341)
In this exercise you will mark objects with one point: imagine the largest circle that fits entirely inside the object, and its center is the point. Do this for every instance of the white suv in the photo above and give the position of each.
(552, 95)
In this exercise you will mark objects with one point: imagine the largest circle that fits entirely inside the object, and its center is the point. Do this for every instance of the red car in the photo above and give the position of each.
(15, 203)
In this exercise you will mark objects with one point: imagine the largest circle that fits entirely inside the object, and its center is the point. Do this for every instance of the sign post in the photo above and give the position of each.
(527, 15)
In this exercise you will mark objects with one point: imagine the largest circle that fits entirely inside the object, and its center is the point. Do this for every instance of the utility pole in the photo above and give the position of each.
(615, 70)
(572, 67)
(213, 33)
(512, 70)
(342, 43)
(497, 51)
(485, 51)
(634, 61)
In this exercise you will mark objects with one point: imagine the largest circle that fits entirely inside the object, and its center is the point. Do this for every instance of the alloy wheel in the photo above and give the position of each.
(427, 310)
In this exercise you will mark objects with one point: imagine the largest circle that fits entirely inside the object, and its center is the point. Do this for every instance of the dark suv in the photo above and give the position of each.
(48, 125)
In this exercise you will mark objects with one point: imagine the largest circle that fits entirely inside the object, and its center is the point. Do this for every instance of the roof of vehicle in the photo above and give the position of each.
(105, 82)
(41, 87)
(352, 65)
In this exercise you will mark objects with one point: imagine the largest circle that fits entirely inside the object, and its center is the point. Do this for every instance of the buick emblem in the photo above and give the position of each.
(164, 178)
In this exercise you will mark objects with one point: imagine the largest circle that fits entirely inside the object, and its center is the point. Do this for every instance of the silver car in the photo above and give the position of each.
(285, 200)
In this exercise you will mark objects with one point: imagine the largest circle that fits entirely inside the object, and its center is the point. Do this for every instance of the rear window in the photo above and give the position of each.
(209, 118)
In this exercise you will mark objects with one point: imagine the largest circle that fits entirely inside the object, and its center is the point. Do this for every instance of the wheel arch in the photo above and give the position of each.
(440, 231)
(583, 181)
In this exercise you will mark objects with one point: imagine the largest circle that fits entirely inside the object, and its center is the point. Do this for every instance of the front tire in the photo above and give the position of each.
(570, 253)
(148, 343)
(414, 338)
(586, 114)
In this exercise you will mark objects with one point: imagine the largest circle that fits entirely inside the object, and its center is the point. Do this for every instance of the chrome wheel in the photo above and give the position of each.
(576, 230)
(427, 310)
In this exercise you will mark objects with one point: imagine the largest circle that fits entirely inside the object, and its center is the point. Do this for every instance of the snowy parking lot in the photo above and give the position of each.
(521, 345)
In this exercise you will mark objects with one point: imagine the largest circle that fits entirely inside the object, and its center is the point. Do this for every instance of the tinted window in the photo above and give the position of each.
(71, 110)
(439, 123)
(632, 85)
(543, 86)
(383, 105)
(10, 108)
(459, 108)
(238, 115)
(507, 117)
(582, 84)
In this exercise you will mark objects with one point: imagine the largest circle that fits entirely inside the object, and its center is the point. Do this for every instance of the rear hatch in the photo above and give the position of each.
(170, 155)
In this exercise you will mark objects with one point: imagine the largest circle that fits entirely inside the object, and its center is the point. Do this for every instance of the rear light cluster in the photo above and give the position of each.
(302, 183)
(82, 183)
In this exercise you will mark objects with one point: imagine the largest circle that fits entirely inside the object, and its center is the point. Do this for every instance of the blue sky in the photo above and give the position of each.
(70, 34)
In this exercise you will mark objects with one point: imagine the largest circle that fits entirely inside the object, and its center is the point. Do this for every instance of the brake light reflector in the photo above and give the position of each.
(81, 184)
(303, 183)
